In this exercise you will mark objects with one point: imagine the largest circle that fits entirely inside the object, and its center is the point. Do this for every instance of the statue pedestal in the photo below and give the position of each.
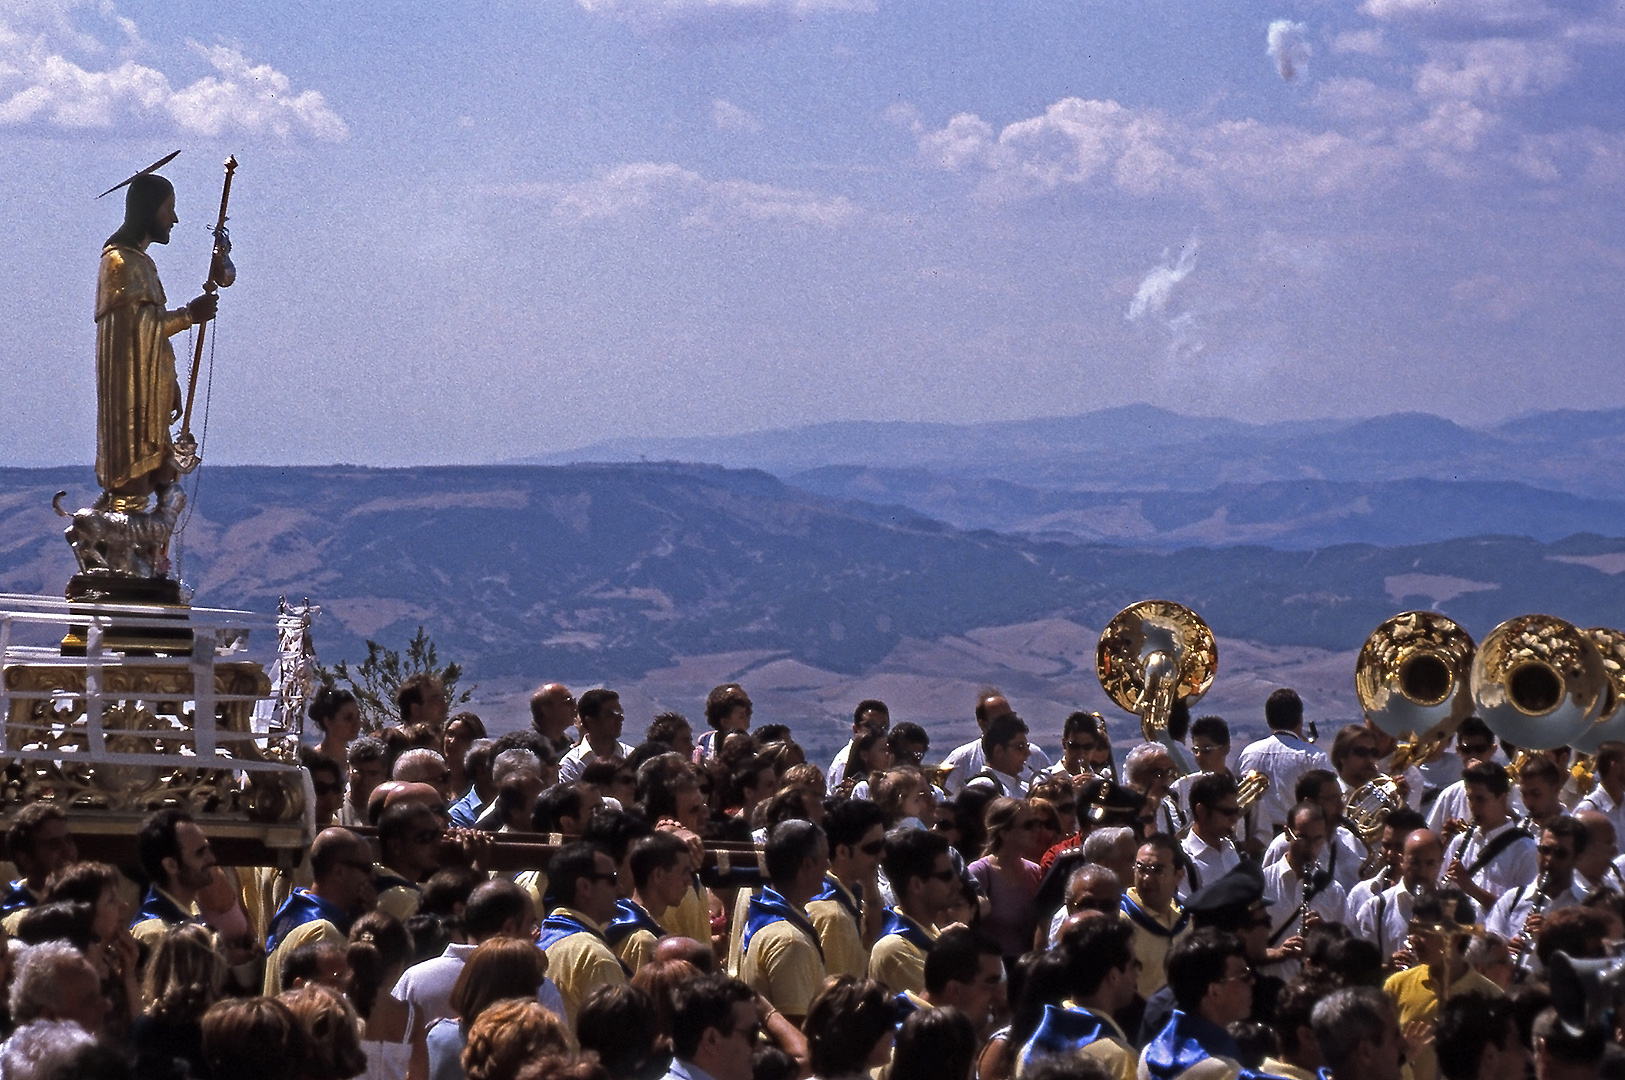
(158, 599)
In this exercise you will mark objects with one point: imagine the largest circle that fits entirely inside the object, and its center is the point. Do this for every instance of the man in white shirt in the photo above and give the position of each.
(1391, 853)
(966, 760)
(1005, 751)
(1514, 916)
(1344, 853)
(1296, 883)
(495, 909)
(1494, 855)
(1354, 756)
(1210, 745)
(1148, 770)
(1594, 865)
(600, 718)
(1474, 743)
(1385, 919)
(1283, 756)
(1608, 797)
(870, 713)
(1214, 812)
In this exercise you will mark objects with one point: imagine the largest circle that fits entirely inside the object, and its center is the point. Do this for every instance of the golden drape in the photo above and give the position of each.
(137, 393)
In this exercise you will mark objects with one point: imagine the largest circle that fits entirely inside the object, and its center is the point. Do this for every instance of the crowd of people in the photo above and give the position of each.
(997, 916)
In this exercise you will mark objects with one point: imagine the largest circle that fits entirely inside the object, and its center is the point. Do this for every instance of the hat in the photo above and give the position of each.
(1106, 803)
(1226, 904)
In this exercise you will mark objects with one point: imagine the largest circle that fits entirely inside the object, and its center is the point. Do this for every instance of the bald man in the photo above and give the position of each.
(1594, 868)
(1385, 919)
(341, 863)
(552, 711)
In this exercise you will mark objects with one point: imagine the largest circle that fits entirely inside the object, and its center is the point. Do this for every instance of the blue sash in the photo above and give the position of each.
(905, 928)
(158, 906)
(302, 906)
(905, 1007)
(1144, 920)
(769, 908)
(16, 897)
(630, 917)
(1187, 1041)
(833, 891)
(560, 925)
(1063, 1032)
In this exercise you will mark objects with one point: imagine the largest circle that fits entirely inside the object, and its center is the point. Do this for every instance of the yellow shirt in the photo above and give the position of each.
(580, 964)
(897, 964)
(317, 931)
(691, 918)
(148, 931)
(783, 965)
(839, 934)
(1113, 1051)
(1276, 1067)
(1151, 949)
(637, 949)
(1416, 997)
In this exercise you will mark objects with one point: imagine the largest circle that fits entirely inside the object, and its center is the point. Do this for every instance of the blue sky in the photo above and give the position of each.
(470, 232)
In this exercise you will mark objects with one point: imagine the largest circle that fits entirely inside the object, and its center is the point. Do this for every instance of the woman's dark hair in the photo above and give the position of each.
(618, 1023)
(862, 743)
(970, 808)
(378, 942)
(1043, 981)
(71, 921)
(933, 1044)
(81, 881)
(328, 701)
(844, 1022)
(431, 934)
(771, 1063)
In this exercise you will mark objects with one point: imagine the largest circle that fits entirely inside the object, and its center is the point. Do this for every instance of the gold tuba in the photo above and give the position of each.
(1610, 725)
(1412, 676)
(1412, 681)
(1538, 682)
(1152, 653)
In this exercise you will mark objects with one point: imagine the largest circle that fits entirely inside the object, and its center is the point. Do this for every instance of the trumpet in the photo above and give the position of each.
(1151, 654)
(1251, 789)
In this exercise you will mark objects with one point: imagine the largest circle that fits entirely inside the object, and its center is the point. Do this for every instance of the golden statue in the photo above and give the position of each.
(137, 391)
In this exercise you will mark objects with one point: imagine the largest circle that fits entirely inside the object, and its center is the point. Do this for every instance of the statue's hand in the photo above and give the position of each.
(203, 308)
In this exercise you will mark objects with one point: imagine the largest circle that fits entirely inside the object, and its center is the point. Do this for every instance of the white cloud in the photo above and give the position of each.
(1367, 42)
(664, 186)
(1494, 68)
(730, 117)
(1143, 153)
(729, 18)
(1287, 43)
(1465, 16)
(1158, 285)
(54, 74)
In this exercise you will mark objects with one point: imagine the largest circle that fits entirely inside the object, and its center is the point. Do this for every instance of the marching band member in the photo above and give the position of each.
(1302, 893)
(1494, 855)
(1283, 756)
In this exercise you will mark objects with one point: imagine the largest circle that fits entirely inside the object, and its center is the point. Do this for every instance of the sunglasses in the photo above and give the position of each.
(749, 1034)
(945, 875)
(357, 864)
(1227, 811)
(1079, 747)
(1552, 852)
(1152, 868)
(1364, 751)
(873, 848)
(1097, 904)
(944, 826)
(327, 788)
(609, 878)
(1209, 749)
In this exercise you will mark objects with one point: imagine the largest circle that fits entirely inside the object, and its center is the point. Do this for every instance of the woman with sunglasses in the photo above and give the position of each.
(1008, 877)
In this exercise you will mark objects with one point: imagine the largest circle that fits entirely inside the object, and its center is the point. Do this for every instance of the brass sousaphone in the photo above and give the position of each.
(1151, 654)
(1412, 679)
(1539, 683)
(1610, 725)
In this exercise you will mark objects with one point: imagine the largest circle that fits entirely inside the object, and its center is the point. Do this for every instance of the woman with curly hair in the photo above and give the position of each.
(509, 1034)
(332, 1033)
(252, 1039)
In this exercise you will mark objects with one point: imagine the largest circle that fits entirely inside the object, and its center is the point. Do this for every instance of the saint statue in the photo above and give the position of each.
(137, 392)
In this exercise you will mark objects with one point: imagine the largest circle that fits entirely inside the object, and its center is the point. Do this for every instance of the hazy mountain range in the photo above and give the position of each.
(900, 569)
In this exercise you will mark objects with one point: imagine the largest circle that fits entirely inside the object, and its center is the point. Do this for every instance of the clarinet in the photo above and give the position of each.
(1538, 903)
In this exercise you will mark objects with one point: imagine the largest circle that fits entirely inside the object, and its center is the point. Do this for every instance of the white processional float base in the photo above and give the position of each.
(112, 711)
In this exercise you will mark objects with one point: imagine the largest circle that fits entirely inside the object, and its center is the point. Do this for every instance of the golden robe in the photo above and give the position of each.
(137, 393)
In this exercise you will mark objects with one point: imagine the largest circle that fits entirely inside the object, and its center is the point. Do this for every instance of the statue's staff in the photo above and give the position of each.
(221, 274)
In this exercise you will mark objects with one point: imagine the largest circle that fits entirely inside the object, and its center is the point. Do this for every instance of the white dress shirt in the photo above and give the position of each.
(968, 760)
(1014, 787)
(1342, 855)
(1510, 912)
(1604, 804)
(581, 755)
(1283, 883)
(1385, 920)
(837, 767)
(1517, 864)
(1283, 757)
(1212, 861)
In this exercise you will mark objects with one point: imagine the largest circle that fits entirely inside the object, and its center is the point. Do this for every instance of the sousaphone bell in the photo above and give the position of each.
(1413, 681)
(1610, 725)
(1151, 654)
(1538, 682)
